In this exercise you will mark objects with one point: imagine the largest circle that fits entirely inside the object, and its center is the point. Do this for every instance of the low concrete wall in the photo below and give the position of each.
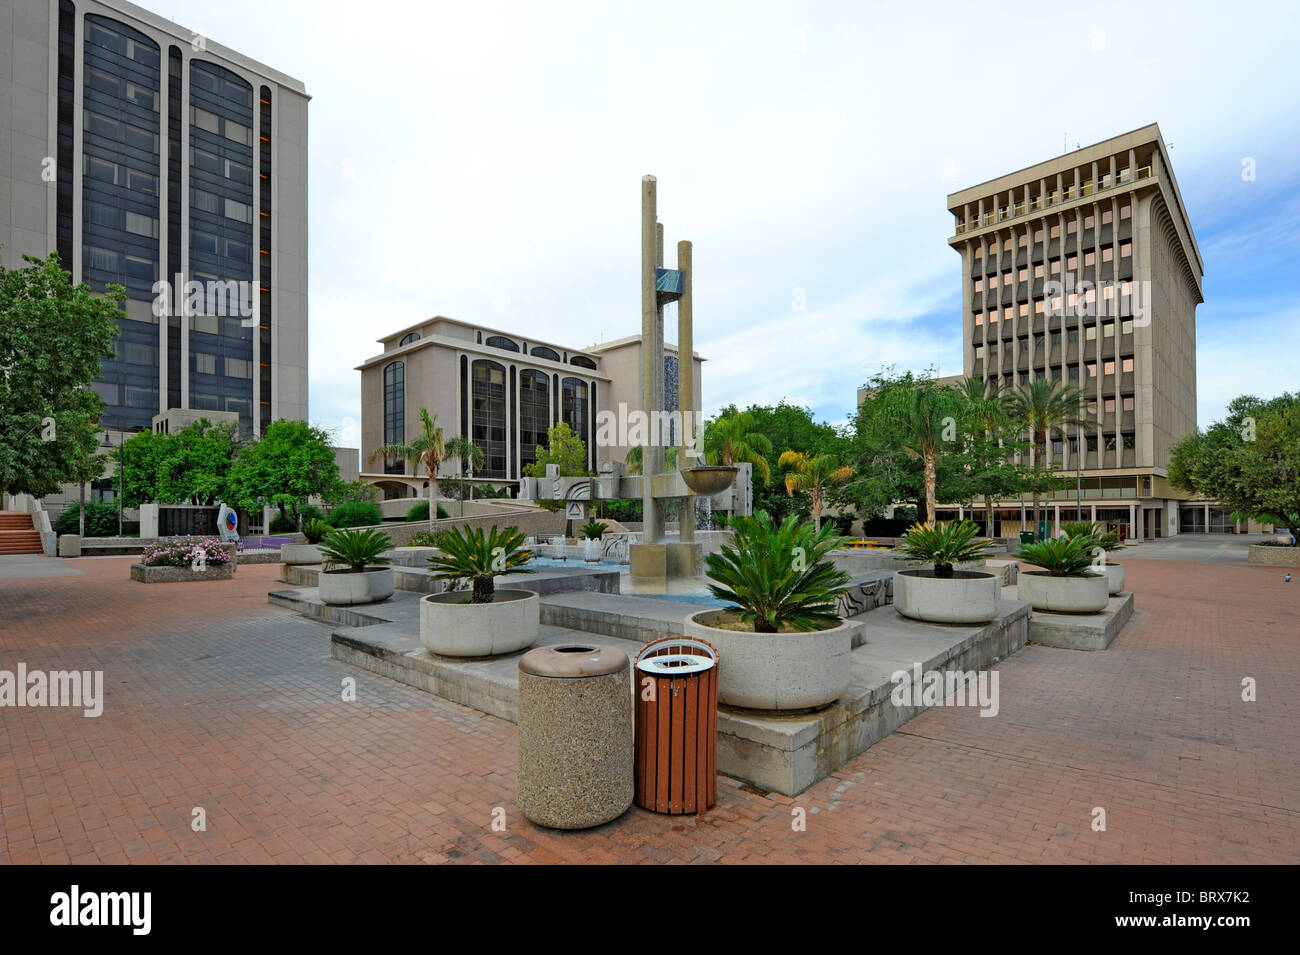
(531, 521)
(1274, 556)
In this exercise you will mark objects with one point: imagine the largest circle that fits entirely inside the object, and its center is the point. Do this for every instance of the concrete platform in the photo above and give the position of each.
(638, 619)
(1079, 631)
(417, 580)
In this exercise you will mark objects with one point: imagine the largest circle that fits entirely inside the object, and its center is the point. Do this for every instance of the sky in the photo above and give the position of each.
(483, 161)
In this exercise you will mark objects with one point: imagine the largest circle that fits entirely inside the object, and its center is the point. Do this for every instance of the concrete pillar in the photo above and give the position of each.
(686, 385)
(652, 361)
(1134, 528)
(1094, 513)
(1207, 518)
(1056, 532)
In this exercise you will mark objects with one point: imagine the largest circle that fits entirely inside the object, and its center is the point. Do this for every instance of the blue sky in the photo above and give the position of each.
(483, 161)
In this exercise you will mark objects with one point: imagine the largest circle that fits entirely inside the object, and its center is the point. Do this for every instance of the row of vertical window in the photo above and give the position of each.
(1009, 313)
(1054, 267)
(204, 363)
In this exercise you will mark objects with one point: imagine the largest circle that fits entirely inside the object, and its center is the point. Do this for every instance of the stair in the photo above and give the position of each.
(18, 535)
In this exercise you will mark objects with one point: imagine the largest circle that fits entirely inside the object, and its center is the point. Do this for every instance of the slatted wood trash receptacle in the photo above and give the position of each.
(677, 726)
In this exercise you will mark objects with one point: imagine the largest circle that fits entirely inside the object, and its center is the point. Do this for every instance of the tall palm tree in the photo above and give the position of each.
(470, 455)
(429, 449)
(922, 413)
(1042, 406)
(814, 474)
(733, 438)
(987, 409)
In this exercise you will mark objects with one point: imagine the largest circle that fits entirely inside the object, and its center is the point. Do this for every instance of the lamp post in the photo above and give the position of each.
(1078, 475)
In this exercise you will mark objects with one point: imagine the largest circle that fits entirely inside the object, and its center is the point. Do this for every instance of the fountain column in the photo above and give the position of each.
(686, 387)
(652, 357)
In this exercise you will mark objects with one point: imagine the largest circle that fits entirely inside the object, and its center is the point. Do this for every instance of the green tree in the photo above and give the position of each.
(988, 444)
(925, 415)
(471, 457)
(564, 448)
(291, 462)
(733, 438)
(814, 474)
(200, 463)
(429, 448)
(1040, 407)
(636, 456)
(1249, 462)
(147, 456)
(53, 339)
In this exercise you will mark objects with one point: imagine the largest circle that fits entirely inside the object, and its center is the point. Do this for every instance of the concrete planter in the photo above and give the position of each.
(178, 575)
(967, 597)
(777, 671)
(450, 626)
(300, 554)
(339, 588)
(1274, 555)
(1115, 574)
(1089, 593)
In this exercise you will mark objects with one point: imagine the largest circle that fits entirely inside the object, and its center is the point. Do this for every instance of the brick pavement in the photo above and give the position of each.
(217, 700)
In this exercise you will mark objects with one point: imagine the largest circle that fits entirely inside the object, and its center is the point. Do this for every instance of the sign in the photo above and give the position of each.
(574, 511)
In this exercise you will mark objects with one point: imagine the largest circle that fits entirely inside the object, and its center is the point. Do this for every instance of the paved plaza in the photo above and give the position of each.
(216, 700)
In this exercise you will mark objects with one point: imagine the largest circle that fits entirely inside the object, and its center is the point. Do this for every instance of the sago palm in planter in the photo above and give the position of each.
(487, 621)
(1104, 543)
(315, 530)
(1067, 583)
(355, 570)
(944, 594)
(780, 642)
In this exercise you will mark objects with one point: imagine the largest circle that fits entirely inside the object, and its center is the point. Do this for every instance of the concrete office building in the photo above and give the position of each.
(500, 389)
(1084, 269)
(146, 154)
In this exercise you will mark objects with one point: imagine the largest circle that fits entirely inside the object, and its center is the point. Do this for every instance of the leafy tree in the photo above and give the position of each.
(1249, 462)
(471, 456)
(564, 448)
(53, 339)
(199, 466)
(989, 441)
(813, 474)
(146, 456)
(429, 448)
(292, 461)
(733, 438)
(1042, 406)
(636, 455)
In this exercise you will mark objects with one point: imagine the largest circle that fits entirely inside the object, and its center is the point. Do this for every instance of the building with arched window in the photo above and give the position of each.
(503, 390)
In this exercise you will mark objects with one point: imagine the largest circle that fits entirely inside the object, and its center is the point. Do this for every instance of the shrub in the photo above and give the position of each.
(1061, 556)
(183, 551)
(315, 530)
(355, 514)
(282, 525)
(843, 522)
(469, 554)
(354, 549)
(101, 519)
(945, 544)
(774, 576)
(308, 512)
(594, 530)
(1107, 540)
(424, 539)
(420, 512)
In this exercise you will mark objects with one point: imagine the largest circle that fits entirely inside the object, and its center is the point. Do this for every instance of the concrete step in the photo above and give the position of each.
(20, 542)
(640, 619)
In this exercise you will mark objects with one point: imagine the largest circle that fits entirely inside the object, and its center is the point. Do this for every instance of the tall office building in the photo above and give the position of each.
(154, 158)
(1084, 269)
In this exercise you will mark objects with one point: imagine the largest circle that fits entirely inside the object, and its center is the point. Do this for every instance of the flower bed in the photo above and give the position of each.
(185, 552)
(174, 559)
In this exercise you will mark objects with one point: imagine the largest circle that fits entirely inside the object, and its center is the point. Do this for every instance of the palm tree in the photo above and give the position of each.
(987, 409)
(1041, 406)
(428, 449)
(470, 454)
(922, 413)
(733, 438)
(636, 454)
(812, 473)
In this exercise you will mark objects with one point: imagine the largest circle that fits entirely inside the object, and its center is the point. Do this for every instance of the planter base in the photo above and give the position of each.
(179, 575)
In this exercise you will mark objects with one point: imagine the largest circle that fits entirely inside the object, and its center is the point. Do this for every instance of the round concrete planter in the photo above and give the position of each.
(777, 671)
(1115, 574)
(339, 588)
(967, 597)
(300, 554)
(1086, 594)
(1274, 555)
(450, 626)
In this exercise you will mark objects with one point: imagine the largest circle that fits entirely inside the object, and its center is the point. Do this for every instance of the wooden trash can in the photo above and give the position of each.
(677, 726)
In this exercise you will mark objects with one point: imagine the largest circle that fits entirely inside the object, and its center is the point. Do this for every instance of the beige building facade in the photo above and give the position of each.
(1084, 269)
(500, 389)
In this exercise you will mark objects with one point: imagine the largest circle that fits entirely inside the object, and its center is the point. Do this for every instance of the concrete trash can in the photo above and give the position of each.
(677, 726)
(575, 735)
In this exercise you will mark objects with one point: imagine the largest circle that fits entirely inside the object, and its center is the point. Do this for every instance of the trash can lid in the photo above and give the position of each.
(569, 660)
(676, 664)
